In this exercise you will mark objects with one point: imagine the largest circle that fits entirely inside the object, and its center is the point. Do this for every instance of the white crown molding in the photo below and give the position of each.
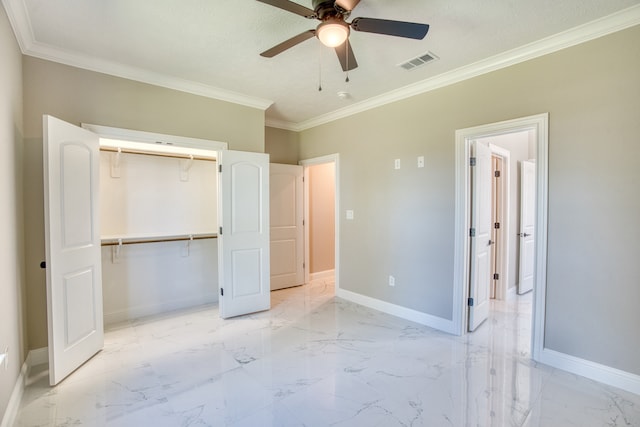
(601, 27)
(281, 124)
(19, 18)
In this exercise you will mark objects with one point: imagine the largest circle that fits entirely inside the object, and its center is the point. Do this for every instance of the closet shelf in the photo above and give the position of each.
(117, 241)
(151, 152)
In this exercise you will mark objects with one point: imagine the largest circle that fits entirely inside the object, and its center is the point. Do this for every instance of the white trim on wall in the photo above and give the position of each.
(21, 24)
(335, 159)
(618, 21)
(398, 311)
(19, 19)
(595, 371)
(35, 357)
(10, 414)
(157, 139)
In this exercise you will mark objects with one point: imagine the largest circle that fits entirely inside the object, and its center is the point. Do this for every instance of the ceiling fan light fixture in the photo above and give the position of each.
(333, 32)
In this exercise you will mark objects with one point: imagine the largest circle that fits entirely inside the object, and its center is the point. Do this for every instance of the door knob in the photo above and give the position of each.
(524, 234)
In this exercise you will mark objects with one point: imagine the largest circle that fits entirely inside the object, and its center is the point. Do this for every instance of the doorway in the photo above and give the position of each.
(509, 153)
(321, 218)
(538, 125)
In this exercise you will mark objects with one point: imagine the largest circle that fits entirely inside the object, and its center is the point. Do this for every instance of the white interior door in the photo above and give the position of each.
(243, 216)
(72, 245)
(480, 275)
(286, 217)
(527, 225)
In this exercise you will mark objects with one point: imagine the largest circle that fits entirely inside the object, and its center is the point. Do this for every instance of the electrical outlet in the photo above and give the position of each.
(392, 281)
(396, 163)
(420, 161)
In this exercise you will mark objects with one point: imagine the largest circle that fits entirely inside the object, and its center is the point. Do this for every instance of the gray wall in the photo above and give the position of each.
(282, 145)
(404, 218)
(12, 286)
(80, 96)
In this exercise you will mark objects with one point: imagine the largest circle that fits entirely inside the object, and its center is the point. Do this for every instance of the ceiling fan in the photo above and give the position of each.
(333, 31)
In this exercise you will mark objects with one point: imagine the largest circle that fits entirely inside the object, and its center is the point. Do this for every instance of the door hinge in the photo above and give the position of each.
(222, 292)
(470, 302)
(220, 231)
(220, 168)
(496, 174)
(496, 276)
(472, 232)
(304, 266)
(472, 161)
(496, 225)
(303, 222)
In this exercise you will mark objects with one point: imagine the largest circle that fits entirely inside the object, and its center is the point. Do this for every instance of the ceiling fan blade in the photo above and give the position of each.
(279, 48)
(348, 5)
(408, 30)
(346, 56)
(292, 7)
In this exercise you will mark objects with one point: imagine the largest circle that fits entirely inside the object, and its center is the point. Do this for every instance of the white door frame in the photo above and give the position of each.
(335, 159)
(540, 124)
(505, 176)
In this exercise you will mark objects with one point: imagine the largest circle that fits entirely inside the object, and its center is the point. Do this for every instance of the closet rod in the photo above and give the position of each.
(156, 153)
(134, 240)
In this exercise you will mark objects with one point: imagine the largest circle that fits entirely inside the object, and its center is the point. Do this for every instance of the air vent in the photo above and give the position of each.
(419, 61)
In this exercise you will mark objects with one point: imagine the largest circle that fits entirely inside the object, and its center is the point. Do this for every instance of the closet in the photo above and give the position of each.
(158, 230)
(140, 223)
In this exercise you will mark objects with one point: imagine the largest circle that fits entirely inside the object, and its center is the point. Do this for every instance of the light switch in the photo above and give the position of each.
(349, 214)
(397, 164)
(420, 161)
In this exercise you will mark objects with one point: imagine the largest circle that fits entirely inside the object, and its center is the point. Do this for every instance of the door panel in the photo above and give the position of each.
(527, 225)
(72, 245)
(480, 277)
(286, 216)
(243, 250)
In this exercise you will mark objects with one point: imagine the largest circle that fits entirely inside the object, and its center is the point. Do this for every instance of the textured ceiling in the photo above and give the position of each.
(214, 45)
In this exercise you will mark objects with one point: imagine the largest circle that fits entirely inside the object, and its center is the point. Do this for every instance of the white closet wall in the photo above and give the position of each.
(150, 196)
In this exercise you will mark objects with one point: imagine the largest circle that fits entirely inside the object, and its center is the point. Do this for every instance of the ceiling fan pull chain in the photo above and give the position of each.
(346, 54)
(319, 68)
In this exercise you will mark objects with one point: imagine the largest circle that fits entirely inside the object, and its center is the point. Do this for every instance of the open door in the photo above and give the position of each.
(243, 250)
(72, 246)
(480, 275)
(286, 218)
(527, 225)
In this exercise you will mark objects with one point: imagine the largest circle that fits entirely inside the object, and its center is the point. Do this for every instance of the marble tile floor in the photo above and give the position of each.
(317, 360)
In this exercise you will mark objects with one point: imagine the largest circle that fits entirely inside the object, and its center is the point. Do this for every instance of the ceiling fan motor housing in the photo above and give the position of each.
(327, 9)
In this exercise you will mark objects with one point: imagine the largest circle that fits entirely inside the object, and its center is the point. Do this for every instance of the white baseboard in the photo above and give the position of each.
(139, 311)
(592, 370)
(13, 407)
(39, 356)
(434, 322)
(320, 275)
